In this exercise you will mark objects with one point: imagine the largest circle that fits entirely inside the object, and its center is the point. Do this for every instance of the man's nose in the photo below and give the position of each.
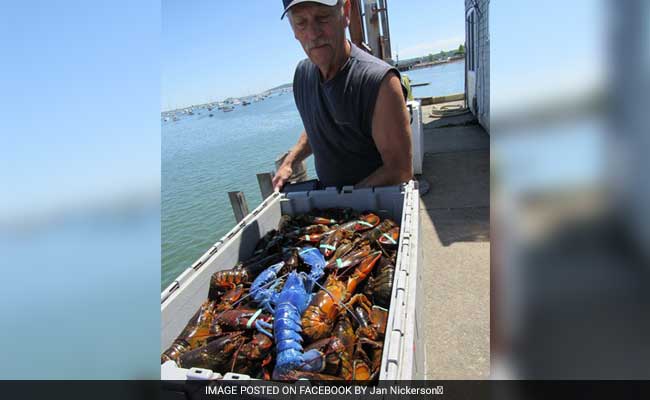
(313, 30)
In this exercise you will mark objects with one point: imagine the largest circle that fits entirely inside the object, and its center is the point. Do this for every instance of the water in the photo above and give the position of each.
(444, 79)
(204, 158)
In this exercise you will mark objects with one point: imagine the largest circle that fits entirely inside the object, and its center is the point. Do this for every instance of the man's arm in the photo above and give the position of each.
(391, 131)
(297, 154)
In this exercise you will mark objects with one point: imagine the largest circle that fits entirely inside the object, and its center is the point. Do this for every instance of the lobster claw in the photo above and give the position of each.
(316, 261)
(314, 361)
(262, 288)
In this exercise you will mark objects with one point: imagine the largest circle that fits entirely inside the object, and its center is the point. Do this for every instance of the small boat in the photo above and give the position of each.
(228, 109)
(245, 103)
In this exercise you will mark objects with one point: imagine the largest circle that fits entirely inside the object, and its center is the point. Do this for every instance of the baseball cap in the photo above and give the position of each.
(290, 3)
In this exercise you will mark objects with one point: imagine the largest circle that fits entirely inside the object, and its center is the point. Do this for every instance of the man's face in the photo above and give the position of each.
(320, 30)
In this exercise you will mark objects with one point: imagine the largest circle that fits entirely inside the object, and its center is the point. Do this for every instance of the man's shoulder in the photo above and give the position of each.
(304, 67)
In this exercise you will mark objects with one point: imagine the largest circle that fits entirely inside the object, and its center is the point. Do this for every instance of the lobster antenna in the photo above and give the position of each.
(383, 250)
(340, 303)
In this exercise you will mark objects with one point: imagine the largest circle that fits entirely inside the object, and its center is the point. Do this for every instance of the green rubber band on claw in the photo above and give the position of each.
(253, 318)
(328, 247)
(387, 236)
(339, 263)
(307, 238)
(366, 223)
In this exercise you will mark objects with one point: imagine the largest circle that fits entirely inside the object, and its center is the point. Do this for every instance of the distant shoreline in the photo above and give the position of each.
(288, 85)
(431, 64)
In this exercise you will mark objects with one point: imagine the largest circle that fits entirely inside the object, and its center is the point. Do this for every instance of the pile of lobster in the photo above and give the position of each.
(312, 302)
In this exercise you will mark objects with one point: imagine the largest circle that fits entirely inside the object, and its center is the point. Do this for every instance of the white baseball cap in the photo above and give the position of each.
(290, 3)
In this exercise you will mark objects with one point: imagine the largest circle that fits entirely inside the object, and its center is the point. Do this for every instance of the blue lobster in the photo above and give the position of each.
(290, 304)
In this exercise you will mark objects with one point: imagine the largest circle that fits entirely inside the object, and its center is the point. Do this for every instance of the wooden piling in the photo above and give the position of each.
(265, 181)
(239, 205)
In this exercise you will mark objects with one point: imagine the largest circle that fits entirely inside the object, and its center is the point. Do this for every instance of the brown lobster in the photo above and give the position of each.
(196, 333)
(365, 222)
(380, 286)
(253, 356)
(390, 238)
(215, 355)
(384, 227)
(325, 306)
(239, 319)
(229, 298)
(330, 243)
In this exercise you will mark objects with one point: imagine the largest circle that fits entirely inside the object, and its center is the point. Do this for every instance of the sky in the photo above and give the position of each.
(212, 50)
(80, 111)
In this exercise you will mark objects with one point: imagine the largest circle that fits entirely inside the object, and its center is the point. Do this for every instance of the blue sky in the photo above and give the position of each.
(215, 49)
(80, 111)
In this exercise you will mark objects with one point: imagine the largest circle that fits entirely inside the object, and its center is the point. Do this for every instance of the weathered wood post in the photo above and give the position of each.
(265, 181)
(239, 205)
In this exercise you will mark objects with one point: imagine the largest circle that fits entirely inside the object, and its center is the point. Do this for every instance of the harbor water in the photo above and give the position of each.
(204, 158)
(444, 79)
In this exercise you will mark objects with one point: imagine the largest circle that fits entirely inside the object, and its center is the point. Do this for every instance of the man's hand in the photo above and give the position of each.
(299, 152)
(281, 176)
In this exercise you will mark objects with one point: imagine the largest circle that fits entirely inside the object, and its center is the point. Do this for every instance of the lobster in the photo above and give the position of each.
(247, 358)
(375, 355)
(318, 237)
(242, 319)
(261, 291)
(373, 320)
(263, 288)
(333, 351)
(365, 222)
(344, 332)
(325, 307)
(349, 260)
(214, 355)
(290, 304)
(380, 286)
(227, 279)
(229, 298)
(312, 220)
(389, 238)
(384, 227)
(196, 333)
(360, 369)
(242, 273)
(330, 243)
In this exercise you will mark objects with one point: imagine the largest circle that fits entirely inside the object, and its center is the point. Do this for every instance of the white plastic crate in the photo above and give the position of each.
(403, 355)
(417, 135)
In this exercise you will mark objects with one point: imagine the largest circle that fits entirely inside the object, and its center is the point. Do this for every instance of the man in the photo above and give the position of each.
(352, 104)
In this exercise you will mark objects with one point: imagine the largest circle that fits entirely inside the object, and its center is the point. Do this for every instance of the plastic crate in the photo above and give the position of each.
(417, 135)
(403, 355)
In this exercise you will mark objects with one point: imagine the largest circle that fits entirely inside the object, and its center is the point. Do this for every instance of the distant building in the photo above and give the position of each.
(477, 59)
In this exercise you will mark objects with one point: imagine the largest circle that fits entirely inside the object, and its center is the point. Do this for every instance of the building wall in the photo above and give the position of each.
(483, 71)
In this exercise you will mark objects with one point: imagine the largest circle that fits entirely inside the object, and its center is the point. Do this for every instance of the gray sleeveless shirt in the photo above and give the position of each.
(337, 115)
